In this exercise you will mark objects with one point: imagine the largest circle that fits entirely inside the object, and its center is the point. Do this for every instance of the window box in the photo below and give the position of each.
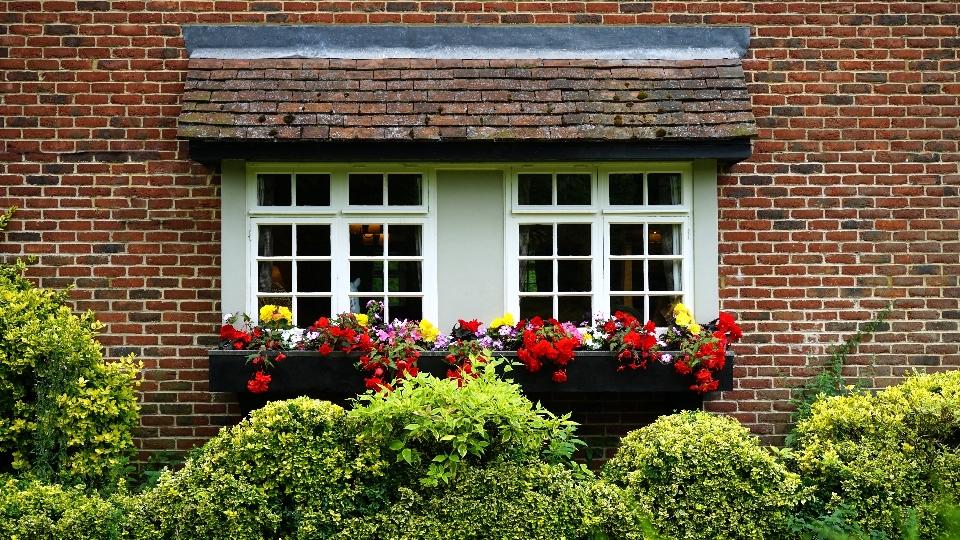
(308, 373)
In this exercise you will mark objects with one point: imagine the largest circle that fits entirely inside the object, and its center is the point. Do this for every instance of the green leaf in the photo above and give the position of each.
(411, 427)
(407, 455)
(396, 445)
(447, 438)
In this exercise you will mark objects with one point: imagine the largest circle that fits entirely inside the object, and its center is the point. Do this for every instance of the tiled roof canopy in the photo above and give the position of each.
(417, 99)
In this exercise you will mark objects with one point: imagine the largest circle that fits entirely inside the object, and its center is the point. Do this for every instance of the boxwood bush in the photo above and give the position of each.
(884, 459)
(705, 476)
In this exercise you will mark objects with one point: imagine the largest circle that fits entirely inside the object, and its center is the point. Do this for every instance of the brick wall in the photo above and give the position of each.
(850, 201)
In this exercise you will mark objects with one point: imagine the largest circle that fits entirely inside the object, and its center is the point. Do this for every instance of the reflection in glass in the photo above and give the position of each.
(573, 239)
(403, 189)
(403, 276)
(313, 240)
(536, 276)
(274, 276)
(366, 240)
(664, 275)
(663, 188)
(405, 308)
(626, 189)
(366, 189)
(536, 306)
(626, 275)
(536, 240)
(273, 189)
(404, 240)
(661, 307)
(309, 309)
(626, 239)
(631, 305)
(535, 189)
(275, 241)
(576, 309)
(574, 189)
(573, 276)
(313, 276)
(313, 190)
(663, 239)
(366, 276)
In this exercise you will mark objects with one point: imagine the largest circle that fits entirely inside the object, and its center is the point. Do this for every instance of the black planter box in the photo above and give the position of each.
(309, 373)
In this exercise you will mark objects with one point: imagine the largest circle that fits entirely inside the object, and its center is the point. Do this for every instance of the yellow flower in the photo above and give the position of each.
(496, 323)
(506, 320)
(428, 331)
(271, 313)
(683, 319)
(694, 329)
(587, 337)
(362, 319)
(680, 308)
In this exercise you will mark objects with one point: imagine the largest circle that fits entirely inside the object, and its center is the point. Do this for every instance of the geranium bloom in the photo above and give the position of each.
(325, 349)
(259, 383)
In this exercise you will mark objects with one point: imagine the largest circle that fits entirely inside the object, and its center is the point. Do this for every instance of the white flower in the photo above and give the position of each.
(292, 337)
(226, 317)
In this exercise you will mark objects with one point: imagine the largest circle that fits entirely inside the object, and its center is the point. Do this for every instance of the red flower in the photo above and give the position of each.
(536, 322)
(259, 383)
(559, 376)
(280, 358)
(610, 327)
(472, 326)
(257, 333)
(325, 349)
(682, 368)
(322, 322)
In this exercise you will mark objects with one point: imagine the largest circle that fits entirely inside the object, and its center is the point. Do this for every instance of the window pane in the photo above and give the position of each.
(313, 276)
(536, 240)
(626, 189)
(661, 307)
(536, 276)
(366, 276)
(366, 189)
(273, 189)
(403, 276)
(313, 240)
(404, 240)
(663, 188)
(534, 189)
(574, 189)
(313, 190)
(631, 305)
(664, 239)
(366, 240)
(536, 306)
(403, 190)
(275, 241)
(358, 304)
(626, 275)
(405, 308)
(664, 275)
(575, 309)
(626, 239)
(309, 309)
(573, 239)
(573, 276)
(274, 276)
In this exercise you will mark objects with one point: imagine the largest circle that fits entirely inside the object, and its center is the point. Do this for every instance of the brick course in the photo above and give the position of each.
(849, 202)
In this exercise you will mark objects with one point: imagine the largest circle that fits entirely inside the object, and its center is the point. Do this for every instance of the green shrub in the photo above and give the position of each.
(887, 458)
(65, 415)
(705, 476)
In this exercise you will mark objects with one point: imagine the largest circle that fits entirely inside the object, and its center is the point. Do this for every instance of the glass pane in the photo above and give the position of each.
(313, 190)
(536, 306)
(404, 240)
(631, 305)
(626, 275)
(358, 304)
(366, 276)
(313, 240)
(536, 240)
(403, 190)
(309, 309)
(275, 241)
(663, 188)
(536, 276)
(535, 189)
(575, 309)
(274, 276)
(626, 189)
(573, 276)
(573, 239)
(273, 189)
(626, 239)
(281, 301)
(664, 275)
(574, 189)
(661, 307)
(313, 276)
(403, 276)
(405, 308)
(664, 239)
(366, 239)
(366, 189)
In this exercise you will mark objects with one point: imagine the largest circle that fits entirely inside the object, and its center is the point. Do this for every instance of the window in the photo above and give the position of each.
(328, 242)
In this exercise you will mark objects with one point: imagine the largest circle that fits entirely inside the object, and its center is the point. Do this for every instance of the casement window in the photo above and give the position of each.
(444, 242)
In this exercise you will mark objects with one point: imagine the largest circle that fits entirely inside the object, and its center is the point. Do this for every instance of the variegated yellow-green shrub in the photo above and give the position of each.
(705, 477)
(890, 457)
(65, 415)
